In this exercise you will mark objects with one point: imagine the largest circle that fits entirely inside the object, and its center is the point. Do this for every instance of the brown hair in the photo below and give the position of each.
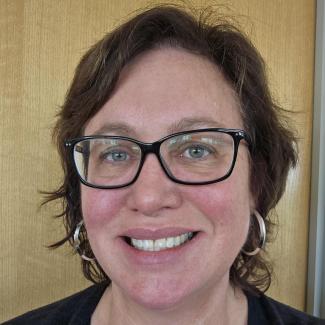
(273, 144)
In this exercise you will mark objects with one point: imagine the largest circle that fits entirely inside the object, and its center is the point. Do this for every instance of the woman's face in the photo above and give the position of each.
(161, 92)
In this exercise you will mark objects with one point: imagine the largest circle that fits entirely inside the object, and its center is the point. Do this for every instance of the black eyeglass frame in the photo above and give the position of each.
(154, 147)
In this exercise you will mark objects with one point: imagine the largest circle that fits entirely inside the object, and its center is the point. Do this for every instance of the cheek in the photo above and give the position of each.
(99, 207)
(227, 203)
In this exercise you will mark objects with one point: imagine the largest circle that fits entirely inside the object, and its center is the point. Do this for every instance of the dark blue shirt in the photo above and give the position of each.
(78, 308)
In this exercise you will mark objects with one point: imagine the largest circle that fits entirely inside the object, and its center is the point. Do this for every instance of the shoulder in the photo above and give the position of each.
(75, 309)
(276, 312)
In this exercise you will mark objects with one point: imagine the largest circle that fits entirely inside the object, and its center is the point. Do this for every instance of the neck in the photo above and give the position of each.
(219, 304)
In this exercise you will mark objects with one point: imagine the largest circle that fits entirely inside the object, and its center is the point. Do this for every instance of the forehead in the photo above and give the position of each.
(166, 89)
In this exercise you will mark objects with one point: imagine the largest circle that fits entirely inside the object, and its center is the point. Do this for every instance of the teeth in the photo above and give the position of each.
(147, 245)
(162, 243)
(170, 242)
(159, 244)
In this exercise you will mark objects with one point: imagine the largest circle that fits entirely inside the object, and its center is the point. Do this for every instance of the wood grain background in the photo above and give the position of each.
(41, 42)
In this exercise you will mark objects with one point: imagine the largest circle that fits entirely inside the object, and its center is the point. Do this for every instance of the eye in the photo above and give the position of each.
(196, 152)
(114, 155)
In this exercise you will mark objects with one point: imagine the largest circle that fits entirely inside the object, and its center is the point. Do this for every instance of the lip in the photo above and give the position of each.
(145, 233)
(151, 258)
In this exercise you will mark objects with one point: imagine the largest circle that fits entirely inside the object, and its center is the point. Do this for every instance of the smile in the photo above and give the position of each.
(161, 243)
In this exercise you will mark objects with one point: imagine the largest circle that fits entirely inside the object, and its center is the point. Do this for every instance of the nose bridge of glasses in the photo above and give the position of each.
(151, 148)
(147, 148)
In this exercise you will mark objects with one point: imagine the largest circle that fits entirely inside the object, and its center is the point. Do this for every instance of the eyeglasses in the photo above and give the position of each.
(195, 157)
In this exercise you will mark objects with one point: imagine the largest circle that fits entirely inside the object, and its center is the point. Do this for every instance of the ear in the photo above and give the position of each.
(252, 202)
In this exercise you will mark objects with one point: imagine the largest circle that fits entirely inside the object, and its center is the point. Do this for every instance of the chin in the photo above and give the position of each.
(159, 300)
(159, 294)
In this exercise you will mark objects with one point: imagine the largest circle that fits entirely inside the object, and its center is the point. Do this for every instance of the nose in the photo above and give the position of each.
(153, 191)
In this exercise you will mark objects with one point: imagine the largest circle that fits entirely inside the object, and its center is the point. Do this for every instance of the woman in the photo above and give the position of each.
(174, 155)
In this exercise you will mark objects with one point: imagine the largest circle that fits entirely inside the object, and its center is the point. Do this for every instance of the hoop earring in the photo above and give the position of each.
(261, 225)
(76, 243)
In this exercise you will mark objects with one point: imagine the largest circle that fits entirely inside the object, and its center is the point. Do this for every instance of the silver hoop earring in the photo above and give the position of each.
(76, 242)
(261, 225)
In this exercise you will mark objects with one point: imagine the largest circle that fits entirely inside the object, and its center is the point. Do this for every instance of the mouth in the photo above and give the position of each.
(160, 244)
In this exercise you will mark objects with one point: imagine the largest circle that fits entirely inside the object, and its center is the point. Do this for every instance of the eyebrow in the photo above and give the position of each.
(185, 124)
(119, 128)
